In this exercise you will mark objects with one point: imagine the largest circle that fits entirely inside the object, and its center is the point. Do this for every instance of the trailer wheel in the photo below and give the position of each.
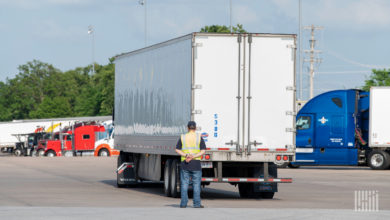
(290, 165)
(245, 190)
(281, 164)
(50, 153)
(267, 195)
(103, 153)
(167, 177)
(378, 160)
(175, 179)
(18, 152)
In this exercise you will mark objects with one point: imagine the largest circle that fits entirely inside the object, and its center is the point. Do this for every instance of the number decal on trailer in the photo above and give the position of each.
(215, 125)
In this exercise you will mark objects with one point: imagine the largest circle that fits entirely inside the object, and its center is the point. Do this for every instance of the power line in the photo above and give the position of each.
(340, 57)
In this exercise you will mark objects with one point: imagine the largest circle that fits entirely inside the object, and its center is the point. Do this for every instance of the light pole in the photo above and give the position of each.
(91, 32)
(143, 3)
(300, 51)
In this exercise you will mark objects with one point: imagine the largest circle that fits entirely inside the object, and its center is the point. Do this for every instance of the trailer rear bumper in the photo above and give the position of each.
(254, 156)
(249, 180)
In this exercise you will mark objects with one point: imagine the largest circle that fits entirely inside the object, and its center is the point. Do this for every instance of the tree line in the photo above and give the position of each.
(40, 90)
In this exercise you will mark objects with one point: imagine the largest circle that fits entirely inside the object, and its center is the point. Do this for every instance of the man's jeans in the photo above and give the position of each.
(185, 181)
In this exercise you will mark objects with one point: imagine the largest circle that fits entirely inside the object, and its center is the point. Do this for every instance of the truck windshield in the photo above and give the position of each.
(303, 122)
(101, 135)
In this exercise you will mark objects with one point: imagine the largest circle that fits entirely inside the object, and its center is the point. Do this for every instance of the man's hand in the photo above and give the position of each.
(189, 158)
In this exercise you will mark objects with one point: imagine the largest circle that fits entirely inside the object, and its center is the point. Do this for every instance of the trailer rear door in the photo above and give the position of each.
(244, 91)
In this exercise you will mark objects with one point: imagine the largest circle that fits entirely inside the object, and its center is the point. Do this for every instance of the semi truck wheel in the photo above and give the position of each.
(50, 153)
(40, 153)
(167, 177)
(378, 160)
(103, 153)
(175, 179)
(18, 152)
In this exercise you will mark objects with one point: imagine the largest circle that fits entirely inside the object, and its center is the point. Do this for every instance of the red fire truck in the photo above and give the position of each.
(81, 139)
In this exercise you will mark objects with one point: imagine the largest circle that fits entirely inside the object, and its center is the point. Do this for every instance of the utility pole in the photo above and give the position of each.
(312, 55)
(91, 32)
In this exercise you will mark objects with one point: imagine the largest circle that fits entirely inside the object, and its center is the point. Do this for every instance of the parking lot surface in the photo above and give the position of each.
(30, 185)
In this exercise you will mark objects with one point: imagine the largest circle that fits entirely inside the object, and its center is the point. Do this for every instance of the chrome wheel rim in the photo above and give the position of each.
(377, 160)
(50, 154)
(103, 153)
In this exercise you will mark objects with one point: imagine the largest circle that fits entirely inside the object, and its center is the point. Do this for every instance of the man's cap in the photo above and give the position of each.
(191, 125)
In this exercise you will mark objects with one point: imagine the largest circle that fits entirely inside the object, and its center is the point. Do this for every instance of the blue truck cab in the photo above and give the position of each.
(332, 129)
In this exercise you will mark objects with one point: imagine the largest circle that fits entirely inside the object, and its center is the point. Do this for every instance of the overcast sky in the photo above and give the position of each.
(355, 38)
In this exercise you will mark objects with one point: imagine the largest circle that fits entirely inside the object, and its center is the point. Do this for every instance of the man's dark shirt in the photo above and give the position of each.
(193, 165)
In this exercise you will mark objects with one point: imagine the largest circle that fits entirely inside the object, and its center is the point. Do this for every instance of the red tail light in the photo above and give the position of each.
(207, 156)
(285, 157)
(278, 157)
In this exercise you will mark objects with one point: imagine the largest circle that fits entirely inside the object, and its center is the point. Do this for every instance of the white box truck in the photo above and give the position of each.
(238, 88)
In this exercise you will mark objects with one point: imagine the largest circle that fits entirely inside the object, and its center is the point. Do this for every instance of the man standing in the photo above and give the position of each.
(190, 147)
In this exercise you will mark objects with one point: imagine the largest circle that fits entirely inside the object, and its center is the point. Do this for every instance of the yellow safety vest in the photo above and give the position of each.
(190, 144)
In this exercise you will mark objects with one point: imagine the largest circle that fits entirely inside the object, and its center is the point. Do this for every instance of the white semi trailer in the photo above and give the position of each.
(240, 90)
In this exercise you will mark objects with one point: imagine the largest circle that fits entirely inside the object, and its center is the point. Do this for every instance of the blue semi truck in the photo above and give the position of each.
(344, 127)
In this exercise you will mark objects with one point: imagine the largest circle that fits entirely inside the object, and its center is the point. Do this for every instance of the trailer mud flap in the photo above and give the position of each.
(126, 174)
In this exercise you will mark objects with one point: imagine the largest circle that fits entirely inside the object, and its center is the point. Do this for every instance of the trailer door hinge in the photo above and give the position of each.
(291, 113)
(292, 88)
(196, 86)
(197, 44)
(290, 130)
(197, 112)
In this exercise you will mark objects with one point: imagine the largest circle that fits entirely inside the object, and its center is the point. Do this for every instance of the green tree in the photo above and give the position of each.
(52, 108)
(377, 78)
(40, 90)
(223, 29)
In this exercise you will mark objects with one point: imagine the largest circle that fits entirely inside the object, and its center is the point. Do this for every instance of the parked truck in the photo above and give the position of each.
(225, 83)
(345, 127)
(8, 139)
(78, 139)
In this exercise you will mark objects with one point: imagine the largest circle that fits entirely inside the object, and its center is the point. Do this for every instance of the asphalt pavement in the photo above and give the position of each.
(84, 188)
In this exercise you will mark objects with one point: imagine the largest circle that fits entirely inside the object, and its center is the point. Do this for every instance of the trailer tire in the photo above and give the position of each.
(167, 177)
(245, 190)
(175, 179)
(103, 153)
(290, 165)
(281, 164)
(51, 153)
(267, 195)
(378, 160)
